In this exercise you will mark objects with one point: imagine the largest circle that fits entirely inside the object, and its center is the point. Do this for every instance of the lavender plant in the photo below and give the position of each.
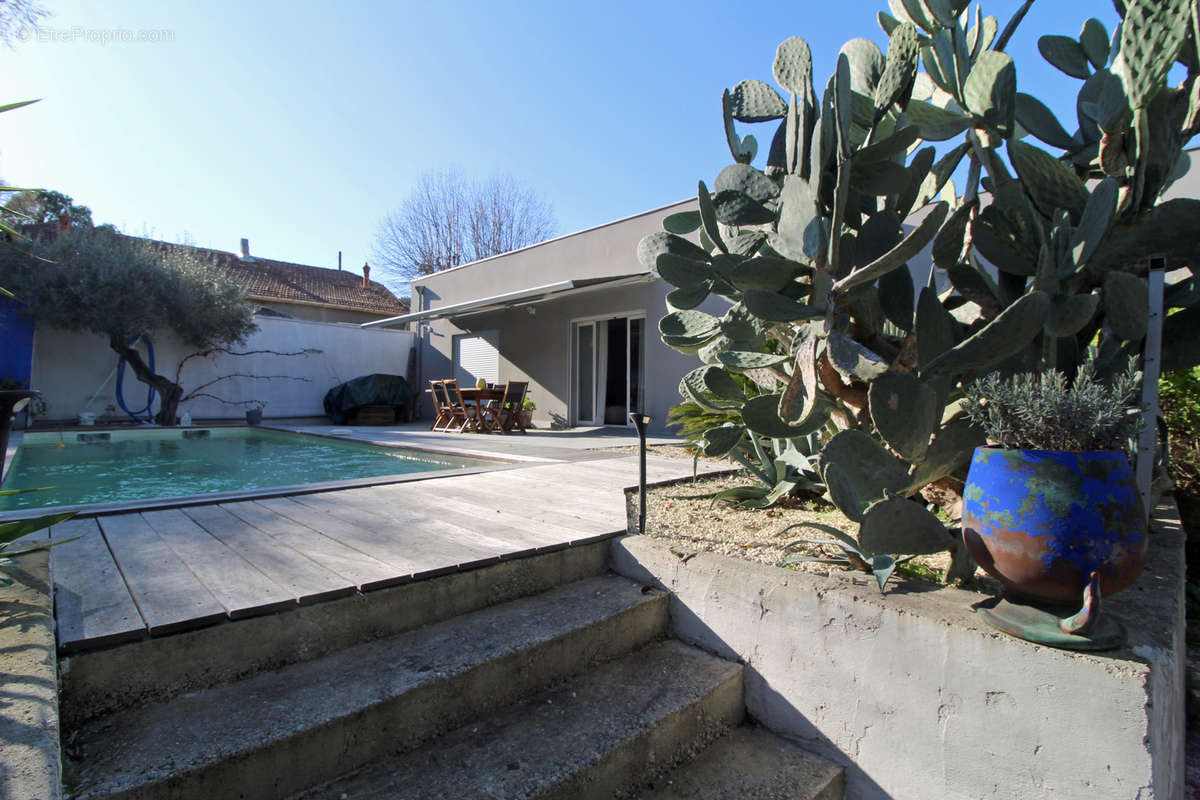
(1044, 411)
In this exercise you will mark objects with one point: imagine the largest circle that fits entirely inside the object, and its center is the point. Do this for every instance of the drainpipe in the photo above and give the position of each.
(417, 293)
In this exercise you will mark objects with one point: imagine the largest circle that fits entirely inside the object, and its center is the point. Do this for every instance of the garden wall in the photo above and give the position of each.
(920, 699)
(69, 368)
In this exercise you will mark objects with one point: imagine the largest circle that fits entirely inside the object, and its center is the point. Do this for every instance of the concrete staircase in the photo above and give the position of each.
(570, 691)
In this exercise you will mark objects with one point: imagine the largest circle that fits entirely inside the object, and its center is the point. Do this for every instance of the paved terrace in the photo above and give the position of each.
(152, 572)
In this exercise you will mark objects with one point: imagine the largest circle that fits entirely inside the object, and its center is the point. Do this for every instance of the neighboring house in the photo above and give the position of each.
(576, 316)
(280, 288)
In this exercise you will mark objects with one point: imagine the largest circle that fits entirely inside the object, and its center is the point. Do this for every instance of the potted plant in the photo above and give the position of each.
(527, 409)
(1051, 507)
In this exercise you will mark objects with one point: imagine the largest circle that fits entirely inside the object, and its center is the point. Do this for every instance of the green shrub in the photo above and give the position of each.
(1179, 399)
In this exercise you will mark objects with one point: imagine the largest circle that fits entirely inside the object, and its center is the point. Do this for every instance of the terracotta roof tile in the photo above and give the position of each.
(267, 279)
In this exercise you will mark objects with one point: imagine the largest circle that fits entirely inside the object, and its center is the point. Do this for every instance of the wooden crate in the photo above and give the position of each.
(375, 415)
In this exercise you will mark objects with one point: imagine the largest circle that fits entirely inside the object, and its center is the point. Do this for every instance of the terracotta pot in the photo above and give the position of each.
(1041, 521)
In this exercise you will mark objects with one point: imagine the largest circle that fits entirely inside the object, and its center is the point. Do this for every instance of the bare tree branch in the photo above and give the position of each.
(449, 220)
(308, 351)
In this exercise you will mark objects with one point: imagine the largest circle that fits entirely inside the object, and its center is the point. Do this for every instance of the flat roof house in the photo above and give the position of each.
(576, 316)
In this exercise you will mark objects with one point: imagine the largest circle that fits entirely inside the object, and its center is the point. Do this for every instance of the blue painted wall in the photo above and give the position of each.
(16, 341)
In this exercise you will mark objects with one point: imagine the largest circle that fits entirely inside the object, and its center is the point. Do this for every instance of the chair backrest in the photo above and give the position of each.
(514, 394)
(455, 399)
(435, 388)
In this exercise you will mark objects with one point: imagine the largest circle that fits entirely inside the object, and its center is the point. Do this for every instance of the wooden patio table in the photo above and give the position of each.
(474, 399)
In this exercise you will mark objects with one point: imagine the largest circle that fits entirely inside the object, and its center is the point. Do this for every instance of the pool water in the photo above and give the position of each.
(140, 465)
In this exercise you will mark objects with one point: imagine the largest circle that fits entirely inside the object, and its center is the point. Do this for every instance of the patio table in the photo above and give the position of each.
(474, 399)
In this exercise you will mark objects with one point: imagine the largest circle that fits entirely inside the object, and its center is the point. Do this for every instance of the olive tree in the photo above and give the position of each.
(120, 287)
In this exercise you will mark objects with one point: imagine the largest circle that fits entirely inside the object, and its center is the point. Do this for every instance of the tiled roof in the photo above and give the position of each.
(281, 281)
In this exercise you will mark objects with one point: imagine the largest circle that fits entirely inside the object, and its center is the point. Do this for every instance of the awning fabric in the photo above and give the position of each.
(520, 297)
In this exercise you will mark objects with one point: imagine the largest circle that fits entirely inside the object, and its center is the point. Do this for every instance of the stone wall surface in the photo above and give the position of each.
(919, 698)
(29, 746)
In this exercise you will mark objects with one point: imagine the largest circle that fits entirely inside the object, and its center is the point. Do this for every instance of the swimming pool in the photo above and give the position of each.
(122, 466)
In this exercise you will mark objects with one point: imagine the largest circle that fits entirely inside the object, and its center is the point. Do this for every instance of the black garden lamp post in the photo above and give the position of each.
(640, 421)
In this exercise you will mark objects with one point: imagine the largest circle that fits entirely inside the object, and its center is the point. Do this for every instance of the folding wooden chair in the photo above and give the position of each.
(455, 415)
(441, 408)
(510, 407)
(468, 415)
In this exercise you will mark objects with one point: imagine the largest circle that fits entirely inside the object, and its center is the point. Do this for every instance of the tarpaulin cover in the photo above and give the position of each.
(366, 390)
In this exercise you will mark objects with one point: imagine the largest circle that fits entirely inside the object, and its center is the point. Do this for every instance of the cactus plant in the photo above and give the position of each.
(812, 254)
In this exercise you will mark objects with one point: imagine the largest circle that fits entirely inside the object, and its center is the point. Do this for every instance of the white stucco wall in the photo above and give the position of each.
(69, 368)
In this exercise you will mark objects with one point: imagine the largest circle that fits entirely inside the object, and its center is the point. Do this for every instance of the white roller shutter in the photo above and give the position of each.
(477, 355)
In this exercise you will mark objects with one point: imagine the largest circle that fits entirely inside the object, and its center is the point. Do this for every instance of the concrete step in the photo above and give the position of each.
(101, 682)
(279, 732)
(594, 737)
(751, 763)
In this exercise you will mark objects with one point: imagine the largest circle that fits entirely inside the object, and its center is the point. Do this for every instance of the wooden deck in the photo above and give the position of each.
(151, 573)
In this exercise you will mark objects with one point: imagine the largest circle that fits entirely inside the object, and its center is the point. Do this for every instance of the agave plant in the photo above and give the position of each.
(810, 252)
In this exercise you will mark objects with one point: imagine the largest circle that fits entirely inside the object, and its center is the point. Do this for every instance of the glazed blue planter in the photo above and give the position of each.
(1042, 522)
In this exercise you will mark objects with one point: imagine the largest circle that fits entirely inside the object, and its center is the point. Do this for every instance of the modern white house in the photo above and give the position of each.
(576, 316)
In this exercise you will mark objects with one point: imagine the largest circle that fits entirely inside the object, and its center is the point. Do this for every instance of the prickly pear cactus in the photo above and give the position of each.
(800, 286)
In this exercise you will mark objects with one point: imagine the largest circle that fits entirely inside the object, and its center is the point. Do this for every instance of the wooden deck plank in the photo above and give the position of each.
(303, 579)
(91, 601)
(354, 565)
(543, 503)
(623, 472)
(438, 542)
(578, 492)
(372, 542)
(242, 589)
(168, 595)
(522, 515)
(409, 508)
(412, 549)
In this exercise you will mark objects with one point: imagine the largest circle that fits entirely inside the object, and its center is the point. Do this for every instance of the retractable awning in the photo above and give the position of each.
(520, 297)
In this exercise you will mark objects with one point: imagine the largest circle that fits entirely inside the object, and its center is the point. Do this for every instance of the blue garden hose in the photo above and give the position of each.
(150, 389)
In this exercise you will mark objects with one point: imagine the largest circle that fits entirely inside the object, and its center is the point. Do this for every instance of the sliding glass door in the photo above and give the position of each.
(607, 370)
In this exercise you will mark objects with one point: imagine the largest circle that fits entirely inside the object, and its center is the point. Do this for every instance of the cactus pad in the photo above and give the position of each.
(1006, 335)
(905, 412)
(1066, 54)
(902, 527)
(990, 91)
(1126, 305)
(755, 101)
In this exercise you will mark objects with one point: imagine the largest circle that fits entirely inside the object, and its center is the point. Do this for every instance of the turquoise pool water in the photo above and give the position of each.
(141, 465)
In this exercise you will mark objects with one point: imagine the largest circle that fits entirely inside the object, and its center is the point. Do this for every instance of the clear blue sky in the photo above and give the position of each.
(299, 124)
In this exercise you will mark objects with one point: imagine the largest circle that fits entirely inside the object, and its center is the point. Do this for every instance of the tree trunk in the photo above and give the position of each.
(169, 392)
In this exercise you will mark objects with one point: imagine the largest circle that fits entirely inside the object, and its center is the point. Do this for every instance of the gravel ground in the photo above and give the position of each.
(685, 515)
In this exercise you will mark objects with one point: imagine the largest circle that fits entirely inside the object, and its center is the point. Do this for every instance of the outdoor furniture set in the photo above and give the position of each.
(491, 408)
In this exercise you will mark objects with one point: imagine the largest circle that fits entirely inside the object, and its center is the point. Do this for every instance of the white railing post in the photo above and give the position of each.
(1151, 367)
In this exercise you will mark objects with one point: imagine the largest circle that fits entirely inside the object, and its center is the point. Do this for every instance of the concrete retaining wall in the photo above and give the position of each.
(69, 368)
(919, 699)
(29, 749)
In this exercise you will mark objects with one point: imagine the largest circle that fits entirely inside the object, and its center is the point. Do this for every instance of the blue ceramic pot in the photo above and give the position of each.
(1041, 521)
